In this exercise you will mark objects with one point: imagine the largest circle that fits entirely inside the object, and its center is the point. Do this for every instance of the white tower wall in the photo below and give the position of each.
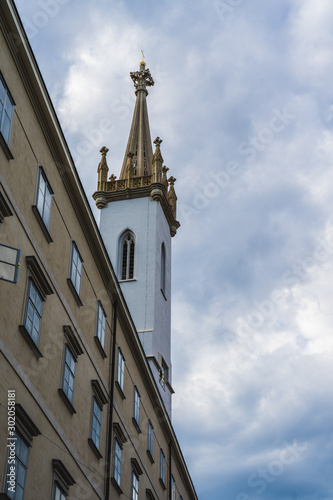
(149, 306)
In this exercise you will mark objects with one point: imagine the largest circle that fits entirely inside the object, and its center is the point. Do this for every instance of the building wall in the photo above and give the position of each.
(36, 139)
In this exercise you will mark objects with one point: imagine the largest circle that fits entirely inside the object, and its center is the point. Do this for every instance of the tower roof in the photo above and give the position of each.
(139, 141)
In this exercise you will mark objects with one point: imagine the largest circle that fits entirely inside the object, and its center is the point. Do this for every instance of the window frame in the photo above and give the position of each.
(162, 466)
(173, 488)
(127, 268)
(62, 479)
(136, 407)
(120, 369)
(135, 487)
(41, 284)
(117, 455)
(41, 201)
(19, 462)
(6, 96)
(30, 301)
(94, 417)
(75, 270)
(150, 440)
(101, 323)
(60, 490)
(73, 358)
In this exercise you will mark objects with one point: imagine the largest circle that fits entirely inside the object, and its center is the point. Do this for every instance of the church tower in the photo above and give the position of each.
(138, 219)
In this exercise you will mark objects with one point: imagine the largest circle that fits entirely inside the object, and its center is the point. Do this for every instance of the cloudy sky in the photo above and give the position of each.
(243, 103)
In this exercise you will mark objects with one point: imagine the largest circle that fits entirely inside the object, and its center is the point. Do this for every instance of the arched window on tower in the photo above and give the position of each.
(127, 254)
(163, 268)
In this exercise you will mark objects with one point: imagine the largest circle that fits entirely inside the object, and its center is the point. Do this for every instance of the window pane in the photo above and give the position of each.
(69, 374)
(21, 461)
(6, 127)
(47, 208)
(76, 268)
(33, 312)
(2, 92)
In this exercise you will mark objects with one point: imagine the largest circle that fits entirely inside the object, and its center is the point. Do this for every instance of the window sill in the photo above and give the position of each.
(136, 425)
(30, 342)
(74, 292)
(67, 402)
(42, 224)
(162, 292)
(162, 484)
(5, 147)
(116, 486)
(150, 456)
(127, 281)
(94, 449)
(121, 392)
(100, 347)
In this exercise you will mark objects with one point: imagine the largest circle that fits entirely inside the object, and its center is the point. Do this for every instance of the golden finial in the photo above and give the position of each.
(143, 57)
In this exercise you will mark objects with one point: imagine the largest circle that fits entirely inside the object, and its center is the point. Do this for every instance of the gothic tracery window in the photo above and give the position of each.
(127, 256)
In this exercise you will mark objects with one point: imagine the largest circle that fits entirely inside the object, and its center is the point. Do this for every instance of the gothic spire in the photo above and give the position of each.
(139, 141)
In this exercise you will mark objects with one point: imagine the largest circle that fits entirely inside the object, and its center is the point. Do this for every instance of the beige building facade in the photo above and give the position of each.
(81, 413)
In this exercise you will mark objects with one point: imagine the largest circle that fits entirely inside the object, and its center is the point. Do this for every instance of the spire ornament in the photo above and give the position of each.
(164, 176)
(142, 78)
(130, 166)
(172, 197)
(102, 169)
(157, 161)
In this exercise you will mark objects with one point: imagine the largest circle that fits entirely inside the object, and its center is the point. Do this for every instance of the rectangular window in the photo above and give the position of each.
(33, 312)
(136, 413)
(150, 437)
(96, 423)
(69, 374)
(101, 322)
(135, 487)
(117, 462)
(120, 369)
(162, 465)
(21, 464)
(58, 494)
(44, 198)
(173, 489)
(6, 110)
(76, 268)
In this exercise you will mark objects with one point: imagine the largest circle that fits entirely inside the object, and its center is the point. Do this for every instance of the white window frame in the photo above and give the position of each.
(33, 311)
(135, 487)
(6, 110)
(21, 464)
(44, 197)
(117, 462)
(173, 488)
(101, 323)
(96, 423)
(136, 406)
(76, 268)
(162, 465)
(69, 368)
(120, 369)
(150, 437)
(58, 493)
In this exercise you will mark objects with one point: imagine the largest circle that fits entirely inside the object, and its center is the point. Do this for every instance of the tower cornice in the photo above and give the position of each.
(139, 187)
